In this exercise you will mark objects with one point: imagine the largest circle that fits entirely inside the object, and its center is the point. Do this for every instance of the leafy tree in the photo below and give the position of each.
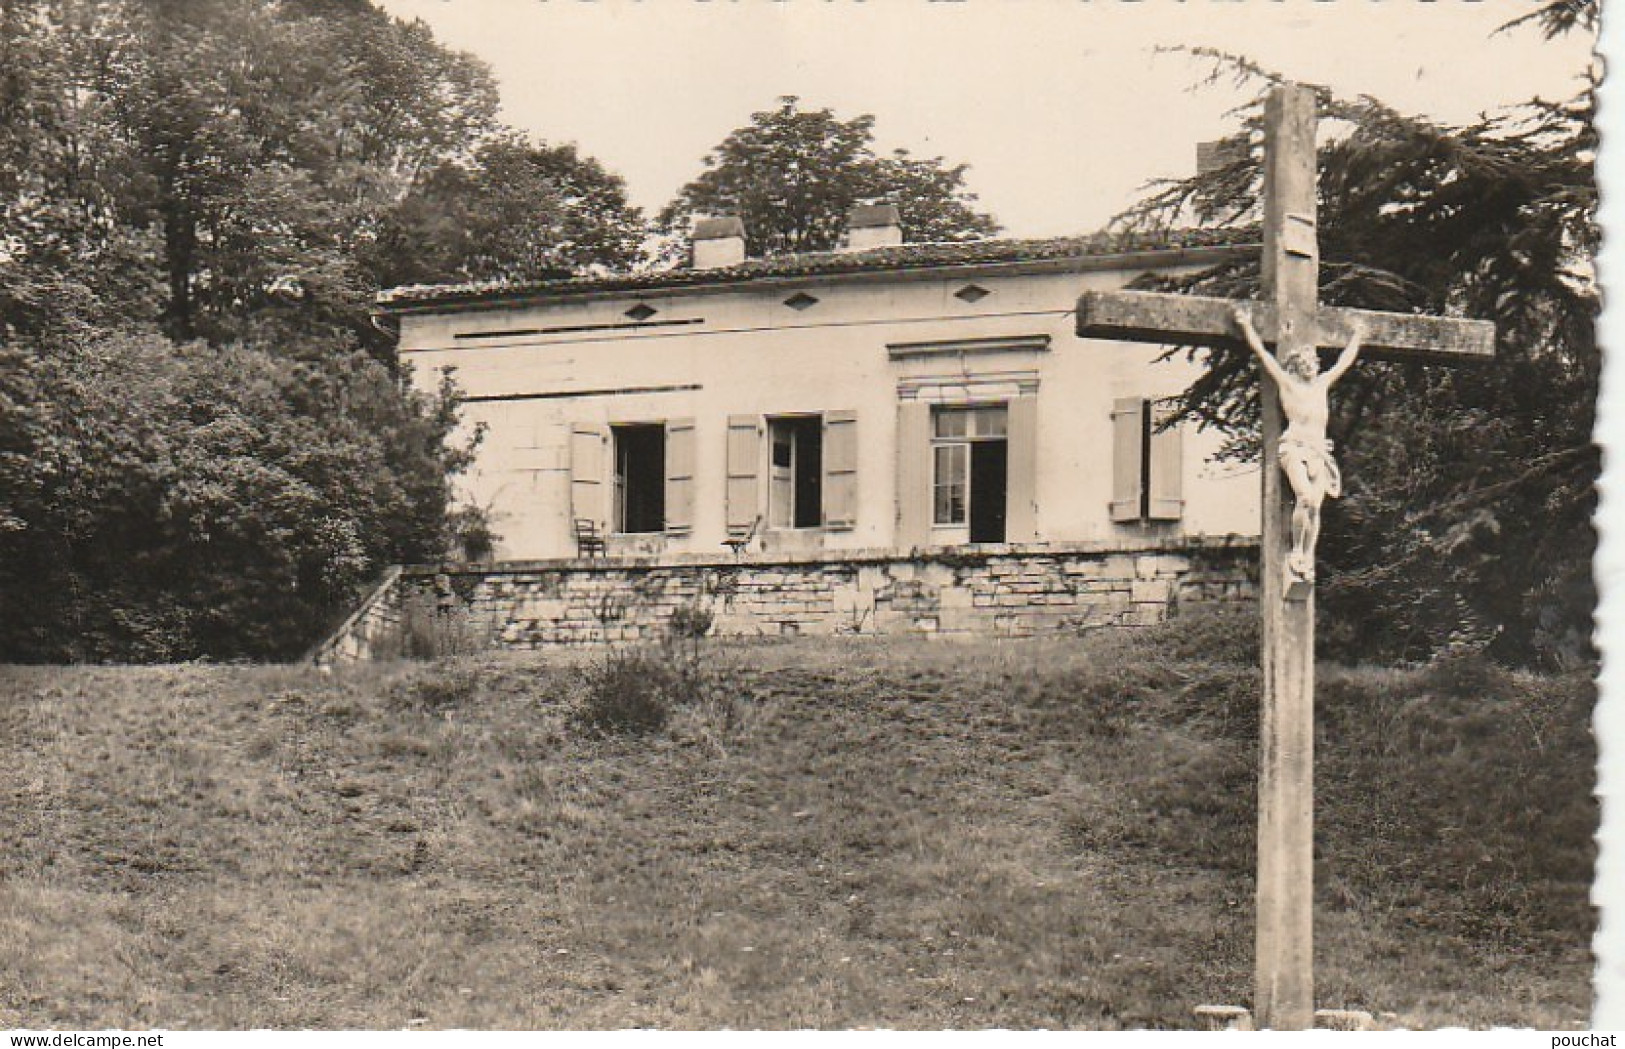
(1469, 489)
(261, 140)
(518, 212)
(166, 503)
(216, 168)
(792, 174)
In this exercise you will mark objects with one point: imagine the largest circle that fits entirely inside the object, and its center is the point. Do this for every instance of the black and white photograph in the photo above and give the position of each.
(804, 515)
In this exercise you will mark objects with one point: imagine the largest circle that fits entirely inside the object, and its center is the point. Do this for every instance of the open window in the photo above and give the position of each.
(811, 464)
(795, 492)
(640, 477)
(970, 469)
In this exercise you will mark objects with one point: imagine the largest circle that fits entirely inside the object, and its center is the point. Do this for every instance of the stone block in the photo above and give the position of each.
(900, 571)
(961, 620)
(1117, 566)
(887, 621)
(1151, 590)
(1083, 569)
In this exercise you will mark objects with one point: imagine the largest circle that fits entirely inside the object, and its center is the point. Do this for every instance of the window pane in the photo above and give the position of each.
(990, 422)
(950, 422)
(949, 489)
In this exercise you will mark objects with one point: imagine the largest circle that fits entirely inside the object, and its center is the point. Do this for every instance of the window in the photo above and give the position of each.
(951, 482)
(640, 477)
(796, 472)
(811, 464)
(969, 469)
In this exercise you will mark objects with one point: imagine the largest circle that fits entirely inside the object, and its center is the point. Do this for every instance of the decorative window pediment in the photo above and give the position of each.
(969, 347)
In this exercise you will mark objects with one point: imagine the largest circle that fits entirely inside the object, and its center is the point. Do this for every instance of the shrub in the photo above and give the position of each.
(630, 692)
(689, 621)
(635, 691)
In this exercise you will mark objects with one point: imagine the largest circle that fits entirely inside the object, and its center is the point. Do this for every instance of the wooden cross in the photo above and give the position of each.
(1290, 318)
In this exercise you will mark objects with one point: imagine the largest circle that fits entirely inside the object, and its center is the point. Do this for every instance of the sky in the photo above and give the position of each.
(1063, 109)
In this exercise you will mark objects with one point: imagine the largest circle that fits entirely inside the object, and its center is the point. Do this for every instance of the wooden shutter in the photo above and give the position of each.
(744, 455)
(840, 469)
(1128, 437)
(679, 476)
(587, 473)
(1021, 487)
(1165, 500)
(913, 474)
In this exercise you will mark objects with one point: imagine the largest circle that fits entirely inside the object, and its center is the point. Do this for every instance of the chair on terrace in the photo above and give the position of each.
(739, 542)
(589, 538)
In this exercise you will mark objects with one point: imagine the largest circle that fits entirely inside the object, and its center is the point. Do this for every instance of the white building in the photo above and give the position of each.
(888, 396)
(886, 401)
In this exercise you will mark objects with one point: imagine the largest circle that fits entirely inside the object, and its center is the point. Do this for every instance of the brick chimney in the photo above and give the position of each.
(718, 242)
(873, 226)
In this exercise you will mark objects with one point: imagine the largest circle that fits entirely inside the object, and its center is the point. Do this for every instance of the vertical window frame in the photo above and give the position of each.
(965, 424)
(620, 476)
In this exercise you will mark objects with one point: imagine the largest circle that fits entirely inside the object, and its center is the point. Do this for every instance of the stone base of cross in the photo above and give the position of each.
(1290, 318)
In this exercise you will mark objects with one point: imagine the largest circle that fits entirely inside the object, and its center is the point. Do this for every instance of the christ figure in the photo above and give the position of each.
(1304, 450)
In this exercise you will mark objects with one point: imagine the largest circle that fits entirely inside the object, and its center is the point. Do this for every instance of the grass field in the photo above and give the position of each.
(840, 834)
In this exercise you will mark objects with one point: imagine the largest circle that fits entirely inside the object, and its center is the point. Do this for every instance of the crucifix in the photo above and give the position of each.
(1290, 317)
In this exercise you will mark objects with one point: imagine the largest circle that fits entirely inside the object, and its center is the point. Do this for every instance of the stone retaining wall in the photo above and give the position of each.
(1007, 591)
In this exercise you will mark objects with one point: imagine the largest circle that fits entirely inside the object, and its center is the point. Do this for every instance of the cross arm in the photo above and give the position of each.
(1193, 320)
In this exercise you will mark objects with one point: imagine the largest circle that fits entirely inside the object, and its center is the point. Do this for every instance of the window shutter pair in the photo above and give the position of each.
(1146, 462)
(589, 460)
(840, 470)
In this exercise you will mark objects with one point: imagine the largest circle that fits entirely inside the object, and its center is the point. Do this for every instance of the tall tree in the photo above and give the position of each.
(1470, 493)
(217, 168)
(517, 212)
(263, 139)
(792, 174)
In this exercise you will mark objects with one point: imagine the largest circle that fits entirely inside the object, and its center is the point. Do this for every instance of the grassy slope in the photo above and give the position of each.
(1043, 834)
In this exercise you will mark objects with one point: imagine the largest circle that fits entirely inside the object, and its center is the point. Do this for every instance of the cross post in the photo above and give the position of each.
(1290, 317)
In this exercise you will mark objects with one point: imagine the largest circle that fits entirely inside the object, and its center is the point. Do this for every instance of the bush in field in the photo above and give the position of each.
(689, 621)
(635, 691)
(630, 692)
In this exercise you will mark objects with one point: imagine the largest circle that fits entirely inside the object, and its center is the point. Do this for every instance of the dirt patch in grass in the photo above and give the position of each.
(878, 833)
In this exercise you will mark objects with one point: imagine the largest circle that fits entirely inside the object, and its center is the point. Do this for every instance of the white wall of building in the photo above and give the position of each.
(742, 350)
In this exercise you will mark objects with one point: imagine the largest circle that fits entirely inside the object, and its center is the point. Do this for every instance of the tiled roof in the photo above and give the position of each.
(827, 263)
